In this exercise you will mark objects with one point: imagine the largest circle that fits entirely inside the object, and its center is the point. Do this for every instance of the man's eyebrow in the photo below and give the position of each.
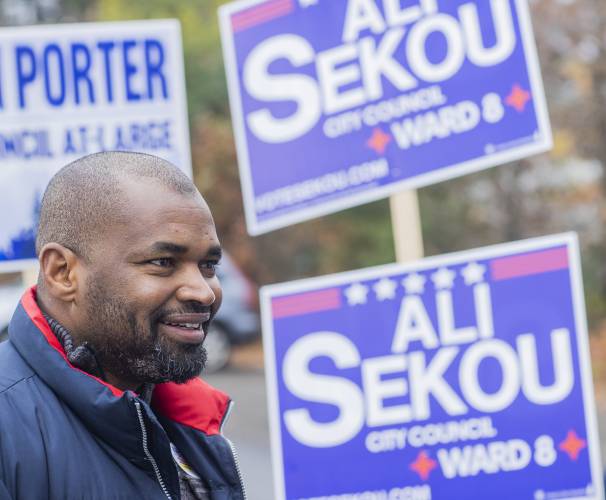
(167, 247)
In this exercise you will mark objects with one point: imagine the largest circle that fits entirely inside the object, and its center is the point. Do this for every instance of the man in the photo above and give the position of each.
(99, 394)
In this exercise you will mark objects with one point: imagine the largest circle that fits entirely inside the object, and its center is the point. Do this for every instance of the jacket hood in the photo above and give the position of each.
(106, 410)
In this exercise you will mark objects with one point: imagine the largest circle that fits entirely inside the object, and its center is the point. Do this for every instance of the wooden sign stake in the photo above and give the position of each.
(406, 223)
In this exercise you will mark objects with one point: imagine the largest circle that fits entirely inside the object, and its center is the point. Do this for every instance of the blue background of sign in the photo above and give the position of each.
(273, 166)
(536, 303)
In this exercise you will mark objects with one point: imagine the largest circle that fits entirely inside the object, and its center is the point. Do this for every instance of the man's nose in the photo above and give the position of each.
(195, 288)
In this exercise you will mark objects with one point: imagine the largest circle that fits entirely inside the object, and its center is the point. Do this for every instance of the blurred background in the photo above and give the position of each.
(560, 191)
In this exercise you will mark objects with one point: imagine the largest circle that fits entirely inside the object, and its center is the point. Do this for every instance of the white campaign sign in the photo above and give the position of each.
(75, 89)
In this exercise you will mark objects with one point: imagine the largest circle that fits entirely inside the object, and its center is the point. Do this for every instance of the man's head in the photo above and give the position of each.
(128, 251)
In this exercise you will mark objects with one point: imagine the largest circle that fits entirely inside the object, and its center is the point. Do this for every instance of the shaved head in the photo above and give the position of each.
(128, 252)
(87, 196)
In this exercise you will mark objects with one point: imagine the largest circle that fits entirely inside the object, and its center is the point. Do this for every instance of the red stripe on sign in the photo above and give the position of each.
(305, 303)
(274, 10)
(260, 14)
(528, 264)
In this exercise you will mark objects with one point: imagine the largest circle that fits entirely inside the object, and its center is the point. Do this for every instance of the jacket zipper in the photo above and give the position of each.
(148, 454)
(234, 453)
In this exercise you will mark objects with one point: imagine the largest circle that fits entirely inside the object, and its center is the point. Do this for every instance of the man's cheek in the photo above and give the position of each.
(153, 330)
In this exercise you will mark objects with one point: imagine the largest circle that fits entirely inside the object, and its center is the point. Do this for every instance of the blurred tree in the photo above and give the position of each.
(559, 191)
(355, 238)
(207, 90)
(19, 12)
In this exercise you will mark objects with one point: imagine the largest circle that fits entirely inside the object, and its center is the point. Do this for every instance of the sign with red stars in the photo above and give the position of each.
(336, 103)
(458, 377)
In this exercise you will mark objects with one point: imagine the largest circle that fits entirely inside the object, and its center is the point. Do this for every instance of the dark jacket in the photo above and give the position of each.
(65, 434)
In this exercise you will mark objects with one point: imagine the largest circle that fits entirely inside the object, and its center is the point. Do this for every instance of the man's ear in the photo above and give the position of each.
(59, 269)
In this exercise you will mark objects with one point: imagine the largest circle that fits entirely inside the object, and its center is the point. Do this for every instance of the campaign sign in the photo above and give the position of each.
(70, 90)
(340, 102)
(464, 376)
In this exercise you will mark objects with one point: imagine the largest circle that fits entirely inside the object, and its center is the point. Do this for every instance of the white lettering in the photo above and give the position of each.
(333, 74)
(469, 379)
(378, 63)
(413, 324)
(387, 440)
(491, 458)
(449, 333)
(506, 37)
(327, 184)
(301, 89)
(416, 52)
(399, 16)
(562, 368)
(377, 390)
(356, 72)
(338, 391)
(429, 380)
(483, 302)
(442, 123)
(362, 15)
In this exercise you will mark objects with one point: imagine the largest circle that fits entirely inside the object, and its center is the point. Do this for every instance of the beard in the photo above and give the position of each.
(133, 350)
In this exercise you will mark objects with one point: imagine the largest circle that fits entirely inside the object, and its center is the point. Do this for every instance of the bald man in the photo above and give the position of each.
(99, 390)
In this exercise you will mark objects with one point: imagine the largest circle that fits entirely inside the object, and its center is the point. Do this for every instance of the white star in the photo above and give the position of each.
(473, 273)
(414, 283)
(356, 294)
(385, 289)
(307, 3)
(443, 278)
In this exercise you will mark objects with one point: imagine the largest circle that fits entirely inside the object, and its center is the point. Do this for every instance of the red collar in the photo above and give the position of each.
(33, 311)
(194, 403)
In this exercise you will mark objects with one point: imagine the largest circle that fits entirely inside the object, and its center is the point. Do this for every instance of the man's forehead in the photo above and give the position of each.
(149, 211)
(145, 197)
(132, 186)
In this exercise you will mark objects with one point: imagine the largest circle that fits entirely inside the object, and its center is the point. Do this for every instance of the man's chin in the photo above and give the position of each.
(176, 363)
(185, 364)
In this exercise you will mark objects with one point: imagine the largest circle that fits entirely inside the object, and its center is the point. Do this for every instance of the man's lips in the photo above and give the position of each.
(186, 327)
(186, 320)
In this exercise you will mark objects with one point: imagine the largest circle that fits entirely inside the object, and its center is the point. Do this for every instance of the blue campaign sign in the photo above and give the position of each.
(75, 89)
(464, 376)
(339, 102)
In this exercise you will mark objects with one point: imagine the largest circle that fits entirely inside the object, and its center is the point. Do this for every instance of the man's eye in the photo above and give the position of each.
(162, 262)
(209, 268)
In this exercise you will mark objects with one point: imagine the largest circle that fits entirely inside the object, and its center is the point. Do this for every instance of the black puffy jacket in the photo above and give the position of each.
(67, 435)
